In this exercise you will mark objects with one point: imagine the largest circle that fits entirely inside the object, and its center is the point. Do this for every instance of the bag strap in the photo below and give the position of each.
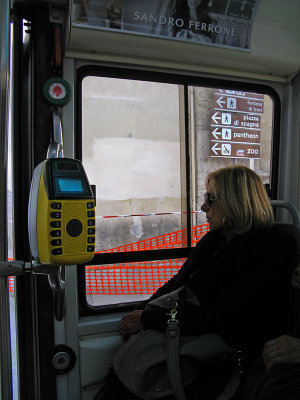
(173, 363)
(173, 337)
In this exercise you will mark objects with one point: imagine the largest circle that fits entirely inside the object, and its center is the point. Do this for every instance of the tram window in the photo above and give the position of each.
(134, 149)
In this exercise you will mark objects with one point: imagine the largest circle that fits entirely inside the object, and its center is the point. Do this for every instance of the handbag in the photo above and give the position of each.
(154, 364)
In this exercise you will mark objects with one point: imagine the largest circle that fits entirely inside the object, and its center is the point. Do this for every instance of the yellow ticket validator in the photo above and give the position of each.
(61, 213)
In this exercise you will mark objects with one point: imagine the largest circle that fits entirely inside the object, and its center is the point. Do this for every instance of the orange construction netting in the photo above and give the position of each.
(140, 277)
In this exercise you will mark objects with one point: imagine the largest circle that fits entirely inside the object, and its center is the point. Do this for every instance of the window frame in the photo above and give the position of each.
(185, 80)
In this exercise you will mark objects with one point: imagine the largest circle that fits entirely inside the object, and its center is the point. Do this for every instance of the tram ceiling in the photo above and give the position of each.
(275, 27)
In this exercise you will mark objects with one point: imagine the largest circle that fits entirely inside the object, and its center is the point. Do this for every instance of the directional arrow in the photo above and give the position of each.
(220, 101)
(214, 148)
(215, 117)
(216, 133)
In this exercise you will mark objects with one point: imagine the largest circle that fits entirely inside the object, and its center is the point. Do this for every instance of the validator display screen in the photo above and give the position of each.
(69, 185)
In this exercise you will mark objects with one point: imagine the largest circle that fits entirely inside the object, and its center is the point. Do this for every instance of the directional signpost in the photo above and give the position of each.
(235, 124)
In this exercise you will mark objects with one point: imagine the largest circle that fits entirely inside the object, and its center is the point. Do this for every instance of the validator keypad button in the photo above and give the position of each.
(56, 242)
(55, 233)
(55, 215)
(56, 206)
(57, 252)
(55, 224)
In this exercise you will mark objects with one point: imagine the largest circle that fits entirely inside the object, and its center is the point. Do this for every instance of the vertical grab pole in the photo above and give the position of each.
(5, 344)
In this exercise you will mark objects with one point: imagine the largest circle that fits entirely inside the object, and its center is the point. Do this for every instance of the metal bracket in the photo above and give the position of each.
(55, 149)
(11, 268)
(55, 276)
(57, 284)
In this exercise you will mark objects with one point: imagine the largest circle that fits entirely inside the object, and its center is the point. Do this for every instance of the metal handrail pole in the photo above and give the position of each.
(5, 343)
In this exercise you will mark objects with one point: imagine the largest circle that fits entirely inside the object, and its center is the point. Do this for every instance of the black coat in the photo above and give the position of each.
(243, 287)
(245, 295)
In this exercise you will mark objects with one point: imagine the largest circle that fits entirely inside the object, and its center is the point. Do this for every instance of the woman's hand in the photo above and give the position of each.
(283, 350)
(131, 323)
(296, 278)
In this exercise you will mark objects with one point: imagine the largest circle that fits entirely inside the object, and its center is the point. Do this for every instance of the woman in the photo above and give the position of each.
(240, 271)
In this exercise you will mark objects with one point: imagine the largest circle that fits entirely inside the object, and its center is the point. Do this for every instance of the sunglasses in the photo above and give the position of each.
(209, 199)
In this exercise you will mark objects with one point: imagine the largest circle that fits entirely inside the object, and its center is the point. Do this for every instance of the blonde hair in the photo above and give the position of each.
(243, 197)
